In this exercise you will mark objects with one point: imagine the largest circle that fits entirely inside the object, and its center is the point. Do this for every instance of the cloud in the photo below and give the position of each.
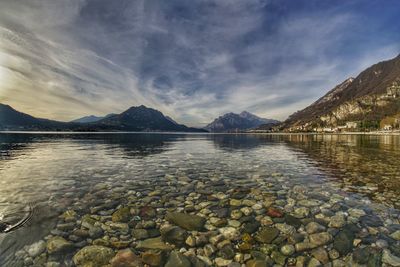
(191, 60)
(46, 76)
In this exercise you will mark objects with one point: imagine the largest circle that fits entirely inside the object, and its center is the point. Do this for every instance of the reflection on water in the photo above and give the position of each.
(361, 162)
(53, 171)
(47, 171)
(366, 164)
(242, 141)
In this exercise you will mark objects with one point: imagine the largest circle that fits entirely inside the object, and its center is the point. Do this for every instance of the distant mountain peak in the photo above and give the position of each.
(244, 113)
(142, 118)
(91, 118)
(87, 119)
(139, 107)
(237, 122)
(248, 115)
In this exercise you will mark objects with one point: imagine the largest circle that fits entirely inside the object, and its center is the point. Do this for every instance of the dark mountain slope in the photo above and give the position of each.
(12, 119)
(141, 118)
(134, 119)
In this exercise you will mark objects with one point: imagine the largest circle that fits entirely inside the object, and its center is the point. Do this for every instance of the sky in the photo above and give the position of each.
(192, 60)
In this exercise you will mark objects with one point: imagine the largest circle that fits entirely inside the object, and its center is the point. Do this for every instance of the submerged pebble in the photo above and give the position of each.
(204, 218)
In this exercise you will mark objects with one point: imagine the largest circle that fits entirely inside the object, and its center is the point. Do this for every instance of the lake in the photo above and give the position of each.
(228, 199)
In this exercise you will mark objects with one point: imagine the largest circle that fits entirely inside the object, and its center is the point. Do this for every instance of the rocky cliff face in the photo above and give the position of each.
(367, 99)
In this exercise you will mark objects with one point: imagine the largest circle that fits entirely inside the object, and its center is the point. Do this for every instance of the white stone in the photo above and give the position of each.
(230, 233)
(36, 249)
(257, 206)
(246, 211)
(288, 250)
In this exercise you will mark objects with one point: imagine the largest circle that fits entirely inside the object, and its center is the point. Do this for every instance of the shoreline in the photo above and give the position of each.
(344, 133)
(202, 133)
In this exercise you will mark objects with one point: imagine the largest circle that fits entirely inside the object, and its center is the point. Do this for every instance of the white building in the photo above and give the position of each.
(387, 127)
(351, 125)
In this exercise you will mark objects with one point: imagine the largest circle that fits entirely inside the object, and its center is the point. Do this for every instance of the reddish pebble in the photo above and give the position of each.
(147, 212)
(126, 258)
(275, 213)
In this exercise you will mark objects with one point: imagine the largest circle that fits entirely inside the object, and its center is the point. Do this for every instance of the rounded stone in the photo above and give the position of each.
(174, 235)
(125, 258)
(288, 250)
(36, 249)
(93, 256)
(153, 257)
(186, 221)
(343, 242)
(246, 211)
(285, 228)
(267, 235)
(390, 259)
(361, 255)
(234, 223)
(301, 212)
(177, 259)
(121, 215)
(227, 251)
(256, 263)
(140, 234)
(313, 227)
(396, 235)
(236, 214)
(230, 233)
(257, 206)
(320, 239)
(278, 257)
(58, 245)
(222, 262)
(235, 202)
(190, 241)
(337, 221)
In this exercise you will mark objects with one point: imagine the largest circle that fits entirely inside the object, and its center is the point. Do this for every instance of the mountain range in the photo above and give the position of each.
(91, 118)
(232, 122)
(367, 102)
(139, 118)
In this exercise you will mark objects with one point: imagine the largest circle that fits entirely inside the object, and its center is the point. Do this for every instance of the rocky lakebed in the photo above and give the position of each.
(192, 201)
(180, 222)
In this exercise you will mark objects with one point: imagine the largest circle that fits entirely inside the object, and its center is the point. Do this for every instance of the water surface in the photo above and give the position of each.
(52, 172)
